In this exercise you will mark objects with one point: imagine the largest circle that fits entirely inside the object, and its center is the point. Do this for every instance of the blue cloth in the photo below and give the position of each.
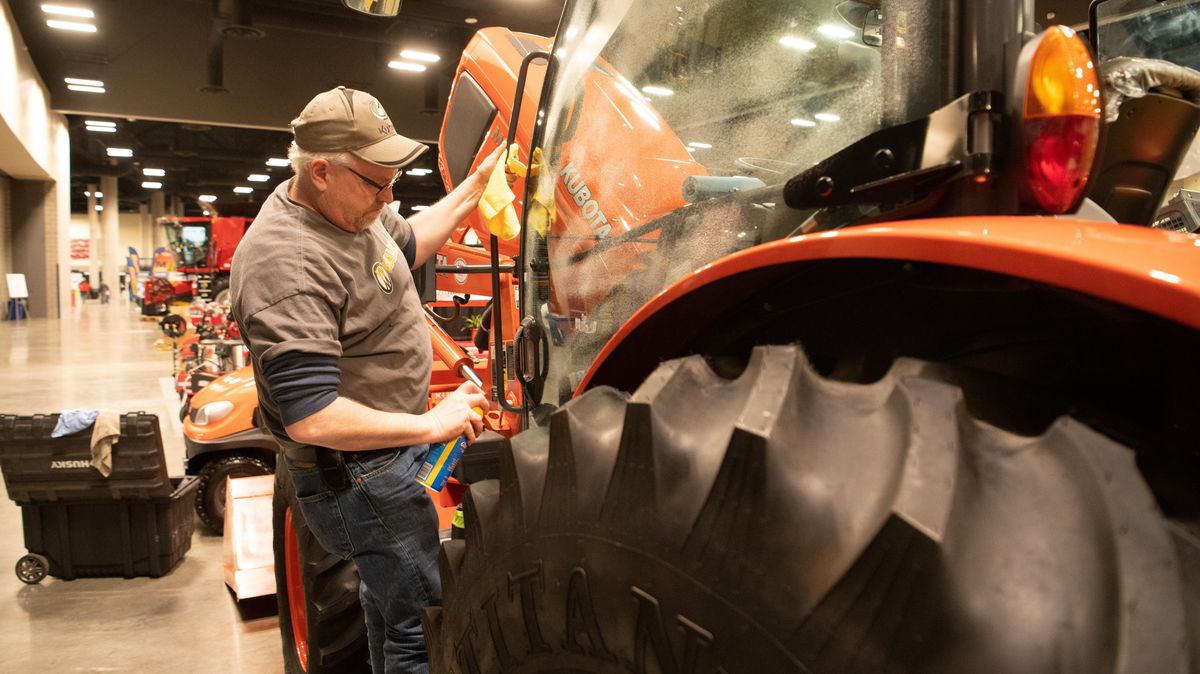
(73, 421)
(387, 523)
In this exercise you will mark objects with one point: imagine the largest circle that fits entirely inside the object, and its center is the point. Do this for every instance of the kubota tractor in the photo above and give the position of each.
(834, 356)
(845, 345)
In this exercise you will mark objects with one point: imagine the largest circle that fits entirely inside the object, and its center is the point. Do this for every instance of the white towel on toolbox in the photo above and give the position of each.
(105, 434)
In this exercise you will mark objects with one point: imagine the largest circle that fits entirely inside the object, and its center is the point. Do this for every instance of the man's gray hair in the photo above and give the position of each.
(302, 159)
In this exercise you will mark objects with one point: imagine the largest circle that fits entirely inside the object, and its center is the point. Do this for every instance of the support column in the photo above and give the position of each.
(157, 210)
(146, 240)
(94, 237)
(110, 263)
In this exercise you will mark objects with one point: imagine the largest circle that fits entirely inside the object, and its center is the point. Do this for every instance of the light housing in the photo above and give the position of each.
(1060, 119)
(212, 412)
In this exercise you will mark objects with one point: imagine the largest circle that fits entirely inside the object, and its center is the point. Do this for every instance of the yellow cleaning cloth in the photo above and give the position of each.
(541, 211)
(496, 203)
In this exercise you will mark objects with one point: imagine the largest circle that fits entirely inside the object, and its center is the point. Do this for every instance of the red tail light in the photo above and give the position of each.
(1060, 124)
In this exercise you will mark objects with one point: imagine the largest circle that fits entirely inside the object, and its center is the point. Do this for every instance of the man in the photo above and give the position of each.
(324, 296)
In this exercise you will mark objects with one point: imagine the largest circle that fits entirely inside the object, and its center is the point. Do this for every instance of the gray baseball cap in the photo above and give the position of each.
(347, 120)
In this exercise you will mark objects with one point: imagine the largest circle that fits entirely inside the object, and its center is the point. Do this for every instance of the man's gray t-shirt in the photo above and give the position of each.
(300, 283)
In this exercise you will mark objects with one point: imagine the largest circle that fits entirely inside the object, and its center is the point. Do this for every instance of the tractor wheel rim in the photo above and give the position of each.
(297, 607)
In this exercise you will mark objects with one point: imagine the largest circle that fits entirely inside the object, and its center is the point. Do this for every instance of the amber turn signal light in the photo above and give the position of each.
(1060, 118)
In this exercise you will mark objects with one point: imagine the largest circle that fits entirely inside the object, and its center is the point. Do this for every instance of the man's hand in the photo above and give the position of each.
(454, 416)
(484, 170)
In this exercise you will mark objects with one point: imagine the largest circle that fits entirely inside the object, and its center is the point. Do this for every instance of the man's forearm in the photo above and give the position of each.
(433, 226)
(350, 426)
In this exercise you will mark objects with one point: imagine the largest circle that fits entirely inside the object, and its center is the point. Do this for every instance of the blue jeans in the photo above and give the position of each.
(387, 523)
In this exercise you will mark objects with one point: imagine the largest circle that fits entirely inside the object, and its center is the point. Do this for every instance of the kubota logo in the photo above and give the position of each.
(588, 207)
(60, 465)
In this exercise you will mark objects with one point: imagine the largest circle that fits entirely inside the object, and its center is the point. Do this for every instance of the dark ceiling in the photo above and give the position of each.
(204, 89)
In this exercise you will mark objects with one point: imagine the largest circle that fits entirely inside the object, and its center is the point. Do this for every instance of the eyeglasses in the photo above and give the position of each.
(380, 187)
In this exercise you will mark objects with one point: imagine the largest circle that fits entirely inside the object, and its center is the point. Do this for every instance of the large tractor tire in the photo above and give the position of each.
(320, 618)
(783, 522)
(220, 293)
(214, 476)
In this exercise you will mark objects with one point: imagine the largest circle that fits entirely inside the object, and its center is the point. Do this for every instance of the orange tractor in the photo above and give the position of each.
(844, 344)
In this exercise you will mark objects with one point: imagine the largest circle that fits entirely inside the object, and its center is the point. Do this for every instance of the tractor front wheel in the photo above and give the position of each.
(320, 619)
(214, 476)
(784, 522)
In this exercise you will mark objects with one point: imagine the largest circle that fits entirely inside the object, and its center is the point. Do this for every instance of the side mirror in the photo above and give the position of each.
(374, 7)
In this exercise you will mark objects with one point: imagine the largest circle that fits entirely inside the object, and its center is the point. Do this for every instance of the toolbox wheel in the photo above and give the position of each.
(32, 568)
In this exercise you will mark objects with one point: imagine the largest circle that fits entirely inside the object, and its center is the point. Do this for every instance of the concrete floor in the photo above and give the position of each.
(187, 621)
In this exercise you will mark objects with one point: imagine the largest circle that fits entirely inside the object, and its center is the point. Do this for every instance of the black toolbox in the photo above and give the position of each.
(114, 537)
(78, 523)
(38, 468)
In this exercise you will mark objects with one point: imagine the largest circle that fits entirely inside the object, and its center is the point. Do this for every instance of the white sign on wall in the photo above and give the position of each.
(16, 286)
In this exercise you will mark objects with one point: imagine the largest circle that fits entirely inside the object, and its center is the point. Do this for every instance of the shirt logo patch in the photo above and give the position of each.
(382, 269)
(382, 277)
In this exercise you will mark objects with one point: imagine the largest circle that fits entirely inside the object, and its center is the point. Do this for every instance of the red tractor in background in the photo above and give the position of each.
(203, 248)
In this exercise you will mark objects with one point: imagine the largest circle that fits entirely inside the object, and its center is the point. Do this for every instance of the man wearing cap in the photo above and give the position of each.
(324, 296)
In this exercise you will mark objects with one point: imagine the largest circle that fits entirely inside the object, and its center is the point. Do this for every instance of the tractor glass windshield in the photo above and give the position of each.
(189, 242)
(670, 131)
(1149, 29)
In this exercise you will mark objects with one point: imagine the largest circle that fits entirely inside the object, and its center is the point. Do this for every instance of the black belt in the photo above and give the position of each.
(332, 465)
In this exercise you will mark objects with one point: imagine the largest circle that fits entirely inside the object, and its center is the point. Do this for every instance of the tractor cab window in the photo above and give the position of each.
(189, 242)
(1149, 29)
(670, 131)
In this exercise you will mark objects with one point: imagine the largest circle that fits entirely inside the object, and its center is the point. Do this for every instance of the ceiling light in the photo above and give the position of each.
(153, 172)
(242, 190)
(278, 161)
(258, 177)
(700, 146)
(99, 207)
(97, 122)
(69, 11)
(827, 117)
(797, 43)
(420, 208)
(208, 198)
(404, 65)
(120, 152)
(800, 121)
(71, 25)
(89, 83)
(418, 172)
(87, 193)
(837, 32)
(414, 55)
(90, 90)
(99, 195)
(655, 90)
(152, 185)
(471, 20)
(101, 129)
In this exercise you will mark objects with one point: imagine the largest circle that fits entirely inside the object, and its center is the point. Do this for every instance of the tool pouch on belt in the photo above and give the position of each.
(332, 465)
